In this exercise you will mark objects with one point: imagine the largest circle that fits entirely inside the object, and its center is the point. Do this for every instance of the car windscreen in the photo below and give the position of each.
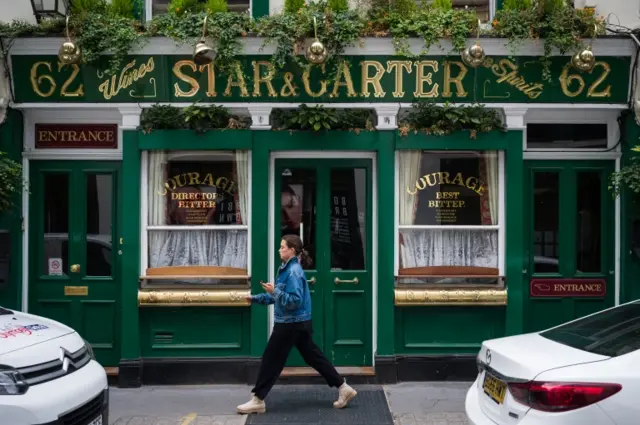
(610, 333)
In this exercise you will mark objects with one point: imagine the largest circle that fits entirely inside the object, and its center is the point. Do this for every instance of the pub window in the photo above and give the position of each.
(567, 136)
(197, 222)
(449, 217)
(159, 7)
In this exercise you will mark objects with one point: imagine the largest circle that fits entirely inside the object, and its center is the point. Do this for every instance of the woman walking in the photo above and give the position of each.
(292, 328)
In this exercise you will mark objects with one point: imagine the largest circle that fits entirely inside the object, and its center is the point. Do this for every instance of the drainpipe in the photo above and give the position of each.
(636, 101)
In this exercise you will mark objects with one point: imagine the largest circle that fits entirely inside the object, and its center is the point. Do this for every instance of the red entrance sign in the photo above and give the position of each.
(568, 288)
(66, 136)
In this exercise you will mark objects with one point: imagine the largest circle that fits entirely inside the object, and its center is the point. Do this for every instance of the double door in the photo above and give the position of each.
(74, 273)
(328, 204)
(570, 264)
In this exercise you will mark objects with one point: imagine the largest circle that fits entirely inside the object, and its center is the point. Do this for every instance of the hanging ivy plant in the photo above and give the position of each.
(11, 182)
(628, 176)
(432, 119)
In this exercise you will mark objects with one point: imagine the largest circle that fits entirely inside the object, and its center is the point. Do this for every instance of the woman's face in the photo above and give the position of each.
(286, 253)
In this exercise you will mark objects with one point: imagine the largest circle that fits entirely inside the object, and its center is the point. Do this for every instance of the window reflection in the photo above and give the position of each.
(298, 209)
(56, 224)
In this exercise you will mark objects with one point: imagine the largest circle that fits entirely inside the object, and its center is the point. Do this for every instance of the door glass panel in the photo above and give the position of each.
(545, 222)
(348, 218)
(589, 231)
(99, 221)
(56, 224)
(298, 209)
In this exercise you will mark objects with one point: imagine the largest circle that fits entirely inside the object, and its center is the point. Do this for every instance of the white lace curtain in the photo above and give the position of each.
(219, 247)
(446, 247)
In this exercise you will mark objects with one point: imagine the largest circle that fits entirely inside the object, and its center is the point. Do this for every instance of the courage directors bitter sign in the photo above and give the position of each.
(144, 78)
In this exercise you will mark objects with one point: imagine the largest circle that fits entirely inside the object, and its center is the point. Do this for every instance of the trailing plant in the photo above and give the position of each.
(80, 7)
(217, 6)
(443, 4)
(293, 6)
(194, 117)
(11, 182)
(223, 32)
(628, 176)
(122, 8)
(338, 5)
(437, 120)
(178, 7)
(320, 118)
(516, 4)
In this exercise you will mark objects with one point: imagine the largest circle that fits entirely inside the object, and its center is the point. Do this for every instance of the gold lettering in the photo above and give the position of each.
(128, 76)
(191, 81)
(448, 80)
(259, 79)
(307, 84)
(194, 178)
(511, 77)
(211, 79)
(399, 67)
(422, 78)
(208, 180)
(458, 180)
(289, 88)
(375, 80)
(343, 71)
(75, 70)
(240, 83)
(592, 89)
(36, 80)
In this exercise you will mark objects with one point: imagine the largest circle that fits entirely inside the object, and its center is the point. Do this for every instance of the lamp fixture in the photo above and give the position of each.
(585, 60)
(203, 53)
(474, 56)
(50, 9)
(316, 53)
(69, 52)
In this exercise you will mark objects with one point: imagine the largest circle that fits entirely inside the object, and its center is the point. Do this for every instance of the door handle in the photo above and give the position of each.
(75, 268)
(312, 281)
(338, 281)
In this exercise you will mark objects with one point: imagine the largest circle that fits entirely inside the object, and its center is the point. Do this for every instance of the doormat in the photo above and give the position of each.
(298, 405)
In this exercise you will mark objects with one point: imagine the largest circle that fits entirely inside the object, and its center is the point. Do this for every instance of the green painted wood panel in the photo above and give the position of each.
(630, 219)
(74, 221)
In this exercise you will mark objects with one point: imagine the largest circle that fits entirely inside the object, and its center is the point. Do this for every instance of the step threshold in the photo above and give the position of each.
(342, 370)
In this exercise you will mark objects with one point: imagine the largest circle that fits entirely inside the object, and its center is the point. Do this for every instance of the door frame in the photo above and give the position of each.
(367, 155)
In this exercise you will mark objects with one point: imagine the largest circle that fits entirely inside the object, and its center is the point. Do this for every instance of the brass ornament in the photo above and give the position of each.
(585, 60)
(316, 53)
(69, 53)
(202, 53)
(474, 56)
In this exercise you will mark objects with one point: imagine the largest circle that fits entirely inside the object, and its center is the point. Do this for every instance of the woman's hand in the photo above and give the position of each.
(249, 298)
(268, 287)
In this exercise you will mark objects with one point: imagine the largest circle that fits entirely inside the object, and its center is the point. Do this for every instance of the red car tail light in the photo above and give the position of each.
(560, 397)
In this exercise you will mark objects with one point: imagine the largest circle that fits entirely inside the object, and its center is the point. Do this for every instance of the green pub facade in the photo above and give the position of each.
(421, 246)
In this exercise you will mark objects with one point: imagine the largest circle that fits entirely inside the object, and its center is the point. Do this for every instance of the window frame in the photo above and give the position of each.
(501, 226)
(145, 227)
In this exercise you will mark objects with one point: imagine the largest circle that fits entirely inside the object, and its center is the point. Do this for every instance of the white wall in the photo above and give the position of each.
(627, 12)
(16, 9)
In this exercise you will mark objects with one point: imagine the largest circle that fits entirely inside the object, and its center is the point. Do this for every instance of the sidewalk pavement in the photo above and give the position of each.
(415, 403)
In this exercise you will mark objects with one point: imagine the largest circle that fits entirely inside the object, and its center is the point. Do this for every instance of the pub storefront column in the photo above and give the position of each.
(130, 372)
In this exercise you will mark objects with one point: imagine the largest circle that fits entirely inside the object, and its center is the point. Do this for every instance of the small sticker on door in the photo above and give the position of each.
(55, 266)
(286, 173)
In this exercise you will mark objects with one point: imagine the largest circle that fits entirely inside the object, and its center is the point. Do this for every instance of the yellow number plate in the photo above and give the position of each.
(494, 388)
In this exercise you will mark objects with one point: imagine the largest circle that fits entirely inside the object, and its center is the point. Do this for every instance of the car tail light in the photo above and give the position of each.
(560, 397)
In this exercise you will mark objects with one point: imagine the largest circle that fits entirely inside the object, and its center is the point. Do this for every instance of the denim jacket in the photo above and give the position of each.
(291, 296)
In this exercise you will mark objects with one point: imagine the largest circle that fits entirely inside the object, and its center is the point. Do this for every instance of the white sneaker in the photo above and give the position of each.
(255, 405)
(345, 394)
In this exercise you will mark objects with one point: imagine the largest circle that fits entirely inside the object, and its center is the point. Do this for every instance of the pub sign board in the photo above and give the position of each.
(563, 288)
(76, 136)
(176, 78)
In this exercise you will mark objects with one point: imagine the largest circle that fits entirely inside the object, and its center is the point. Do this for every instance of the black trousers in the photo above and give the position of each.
(283, 338)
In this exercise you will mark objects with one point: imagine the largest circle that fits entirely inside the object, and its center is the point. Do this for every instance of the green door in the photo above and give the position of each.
(570, 241)
(328, 204)
(74, 272)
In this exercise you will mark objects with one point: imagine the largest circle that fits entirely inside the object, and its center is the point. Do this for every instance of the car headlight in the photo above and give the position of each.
(12, 382)
(89, 349)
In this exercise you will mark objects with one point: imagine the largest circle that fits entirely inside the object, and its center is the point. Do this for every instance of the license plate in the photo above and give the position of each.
(494, 388)
(96, 421)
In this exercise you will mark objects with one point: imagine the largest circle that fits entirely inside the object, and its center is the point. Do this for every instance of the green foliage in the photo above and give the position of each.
(338, 5)
(628, 176)
(80, 7)
(443, 4)
(437, 120)
(193, 117)
(320, 118)
(516, 4)
(11, 182)
(178, 7)
(217, 6)
(293, 6)
(122, 8)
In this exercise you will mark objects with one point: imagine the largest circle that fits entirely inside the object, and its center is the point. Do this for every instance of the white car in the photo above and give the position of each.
(583, 372)
(48, 375)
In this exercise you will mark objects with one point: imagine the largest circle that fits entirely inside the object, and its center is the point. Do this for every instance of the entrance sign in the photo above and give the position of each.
(568, 288)
(68, 136)
(174, 78)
